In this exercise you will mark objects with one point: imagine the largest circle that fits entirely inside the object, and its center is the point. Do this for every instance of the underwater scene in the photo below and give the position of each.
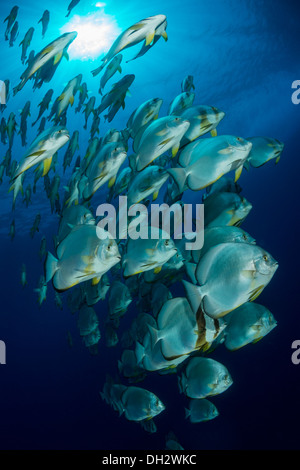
(149, 225)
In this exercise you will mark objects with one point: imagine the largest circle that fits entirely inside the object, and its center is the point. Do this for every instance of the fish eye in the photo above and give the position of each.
(239, 139)
(265, 258)
(244, 236)
(166, 242)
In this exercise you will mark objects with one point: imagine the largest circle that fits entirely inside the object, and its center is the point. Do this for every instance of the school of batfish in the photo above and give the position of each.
(176, 154)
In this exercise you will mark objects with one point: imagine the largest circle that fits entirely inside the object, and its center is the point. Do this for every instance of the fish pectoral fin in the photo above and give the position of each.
(86, 259)
(256, 327)
(101, 164)
(57, 58)
(150, 251)
(47, 164)
(61, 97)
(157, 270)
(162, 132)
(212, 386)
(149, 38)
(71, 100)
(224, 151)
(248, 273)
(213, 133)
(165, 36)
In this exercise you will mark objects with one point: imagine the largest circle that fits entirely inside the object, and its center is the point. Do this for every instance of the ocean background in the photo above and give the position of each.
(244, 56)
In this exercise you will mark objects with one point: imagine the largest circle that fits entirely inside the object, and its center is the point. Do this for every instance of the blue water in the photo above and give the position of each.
(244, 56)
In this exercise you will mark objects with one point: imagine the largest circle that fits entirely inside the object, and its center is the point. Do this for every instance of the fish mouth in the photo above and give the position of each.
(73, 35)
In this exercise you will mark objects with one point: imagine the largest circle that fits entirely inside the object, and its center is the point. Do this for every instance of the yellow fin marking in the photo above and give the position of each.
(47, 165)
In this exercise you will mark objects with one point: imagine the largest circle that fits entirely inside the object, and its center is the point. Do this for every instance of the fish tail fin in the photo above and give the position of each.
(190, 271)
(51, 266)
(120, 367)
(139, 352)
(180, 384)
(98, 70)
(154, 335)
(247, 165)
(179, 176)
(193, 294)
(187, 413)
(18, 87)
(132, 162)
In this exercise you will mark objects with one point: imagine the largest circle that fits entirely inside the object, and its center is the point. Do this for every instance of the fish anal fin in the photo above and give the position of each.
(112, 181)
(95, 280)
(47, 165)
(57, 58)
(149, 38)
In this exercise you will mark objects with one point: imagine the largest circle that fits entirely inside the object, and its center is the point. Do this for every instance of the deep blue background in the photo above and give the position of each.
(244, 56)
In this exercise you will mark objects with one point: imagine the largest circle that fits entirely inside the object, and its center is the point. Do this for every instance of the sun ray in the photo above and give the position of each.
(96, 33)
